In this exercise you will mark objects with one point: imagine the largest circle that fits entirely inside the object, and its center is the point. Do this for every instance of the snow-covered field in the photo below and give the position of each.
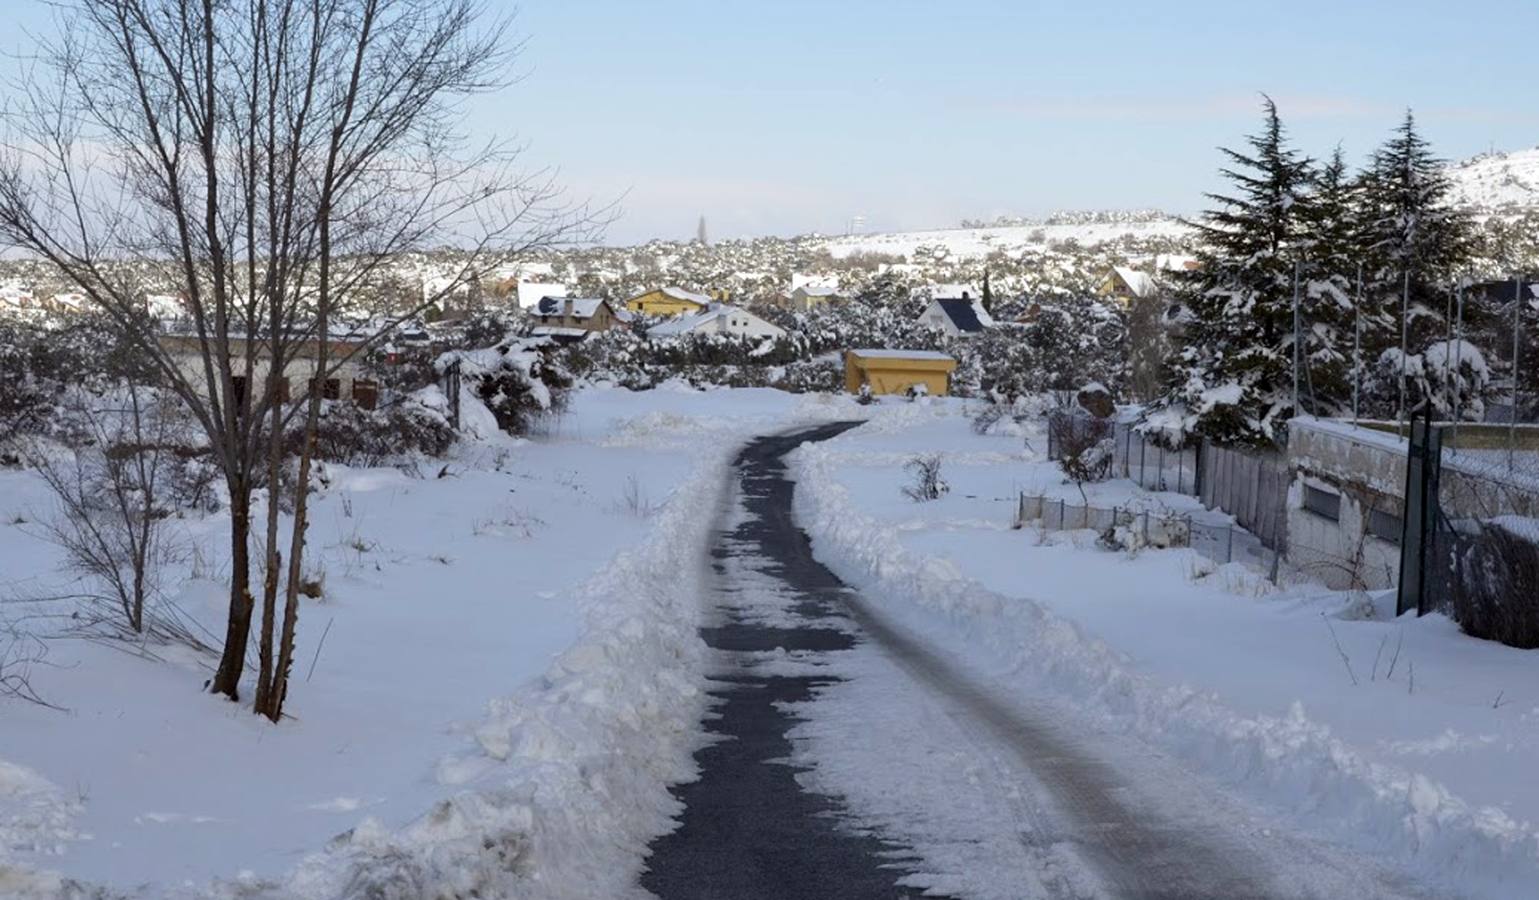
(500, 667)
(976, 243)
(1420, 757)
(504, 676)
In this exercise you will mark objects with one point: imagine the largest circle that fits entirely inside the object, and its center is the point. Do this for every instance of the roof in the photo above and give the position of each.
(952, 291)
(691, 321)
(553, 331)
(901, 354)
(531, 293)
(1140, 283)
(966, 315)
(688, 322)
(818, 290)
(679, 293)
(582, 307)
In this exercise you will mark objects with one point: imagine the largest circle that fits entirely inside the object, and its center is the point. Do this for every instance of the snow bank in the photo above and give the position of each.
(1290, 762)
(563, 785)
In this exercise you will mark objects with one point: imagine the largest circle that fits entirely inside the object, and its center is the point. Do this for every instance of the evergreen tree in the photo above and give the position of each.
(700, 231)
(1331, 248)
(988, 295)
(1415, 246)
(1233, 378)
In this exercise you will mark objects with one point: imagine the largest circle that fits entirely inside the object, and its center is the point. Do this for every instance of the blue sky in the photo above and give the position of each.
(792, 116)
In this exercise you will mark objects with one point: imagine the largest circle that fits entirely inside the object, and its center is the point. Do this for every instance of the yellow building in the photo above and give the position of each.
(898, 371)
(667, 301)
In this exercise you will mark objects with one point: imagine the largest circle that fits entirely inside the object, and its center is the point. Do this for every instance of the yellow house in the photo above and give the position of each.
(898, 371)
(667, 301)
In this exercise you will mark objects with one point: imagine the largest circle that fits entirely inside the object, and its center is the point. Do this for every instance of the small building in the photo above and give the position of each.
(809, 297)
(573, 318)
(347, 381)
(667, 301)
(1347, 501)
(898, 371)
(1127, 285)
(718, 318)
(962, 316)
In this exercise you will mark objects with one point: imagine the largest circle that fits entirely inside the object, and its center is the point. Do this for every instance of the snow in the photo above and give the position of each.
(508, 672)
(1212, 665)
(530, 293)
(901, 354)
(978, 243)
(1497, 181)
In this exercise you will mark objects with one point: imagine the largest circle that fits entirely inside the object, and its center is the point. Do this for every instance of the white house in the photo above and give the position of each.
(718, 318)
(957, 316)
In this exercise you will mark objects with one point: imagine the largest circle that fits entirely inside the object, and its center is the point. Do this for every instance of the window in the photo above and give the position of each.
(1384, 526)
(365, 393)
(330, 389)
(1322, 503)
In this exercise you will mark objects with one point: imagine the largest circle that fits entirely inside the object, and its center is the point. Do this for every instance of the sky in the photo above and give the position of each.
(788, 116)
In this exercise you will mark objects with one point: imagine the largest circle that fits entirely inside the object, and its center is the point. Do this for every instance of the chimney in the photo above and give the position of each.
(566, 307)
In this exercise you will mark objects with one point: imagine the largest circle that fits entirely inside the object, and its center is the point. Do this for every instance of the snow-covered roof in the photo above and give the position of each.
(679, 293)
(952, 291)
(582, 307)
(966, 315)
(688, 322)
(902, 354)
(1140, 283)
(813, 282)
(531, 293)
(818, 290)
(554, 331)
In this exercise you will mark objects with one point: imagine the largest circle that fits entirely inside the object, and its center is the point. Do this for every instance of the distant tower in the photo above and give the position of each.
(700, 232)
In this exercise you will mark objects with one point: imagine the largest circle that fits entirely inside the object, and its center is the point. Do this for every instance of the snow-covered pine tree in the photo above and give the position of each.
(1415, 244)
(1232, 380)
(1331, 246)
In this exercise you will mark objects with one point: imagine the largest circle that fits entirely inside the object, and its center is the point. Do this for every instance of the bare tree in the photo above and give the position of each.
(269, 158)
(111, 511)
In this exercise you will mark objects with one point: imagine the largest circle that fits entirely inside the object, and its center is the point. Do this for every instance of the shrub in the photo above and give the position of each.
(928, 483)
(355, 436)
(1494, 587)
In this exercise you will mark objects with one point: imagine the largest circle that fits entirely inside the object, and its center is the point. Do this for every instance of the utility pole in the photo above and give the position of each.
(1405, 338)
(1458, 361)
(1296, 338)
(1357, 344)
(1517, 325)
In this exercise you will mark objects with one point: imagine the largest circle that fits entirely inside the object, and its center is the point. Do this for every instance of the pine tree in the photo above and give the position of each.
(1331, 247)
(988, 295)
(1415, 245)
(700, 231)
(1233, 378)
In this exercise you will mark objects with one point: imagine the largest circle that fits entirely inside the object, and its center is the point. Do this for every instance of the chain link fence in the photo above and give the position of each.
(1222, 543)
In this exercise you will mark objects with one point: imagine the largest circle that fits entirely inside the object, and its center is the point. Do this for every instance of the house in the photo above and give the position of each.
(530, 293)
(962, 316)
(573, 318)
(1345, 507)
(347, 382)
(1127, 285)
(898, 371)
(718, 318)
(807, 297)
(667, 301)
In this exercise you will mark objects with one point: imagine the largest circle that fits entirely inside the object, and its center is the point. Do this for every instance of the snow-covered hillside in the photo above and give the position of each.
(1498, 181)
(976, 243)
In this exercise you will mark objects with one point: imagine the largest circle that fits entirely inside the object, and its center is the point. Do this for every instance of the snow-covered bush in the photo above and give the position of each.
(823, 374)
(1447, 374)
(1084, 444)
(356, 436)
(518, 379)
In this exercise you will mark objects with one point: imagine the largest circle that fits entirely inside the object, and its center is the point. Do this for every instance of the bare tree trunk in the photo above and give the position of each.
(232, 662)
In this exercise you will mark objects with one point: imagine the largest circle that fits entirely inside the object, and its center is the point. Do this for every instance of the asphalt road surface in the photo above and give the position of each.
(751, 830)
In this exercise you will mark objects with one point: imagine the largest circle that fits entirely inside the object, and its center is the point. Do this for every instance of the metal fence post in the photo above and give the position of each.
(1146, 527)
(1229, 550)
(1143, 454)
(1060, 514)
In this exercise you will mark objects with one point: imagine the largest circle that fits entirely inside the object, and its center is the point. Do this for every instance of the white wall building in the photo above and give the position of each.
(718, 318)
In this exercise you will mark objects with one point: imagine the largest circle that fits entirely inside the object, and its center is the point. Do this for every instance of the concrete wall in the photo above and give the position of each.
(1367, 473)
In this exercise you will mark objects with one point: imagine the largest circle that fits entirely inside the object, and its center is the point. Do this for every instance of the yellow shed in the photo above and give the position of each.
(896, 371)
(667, 301)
